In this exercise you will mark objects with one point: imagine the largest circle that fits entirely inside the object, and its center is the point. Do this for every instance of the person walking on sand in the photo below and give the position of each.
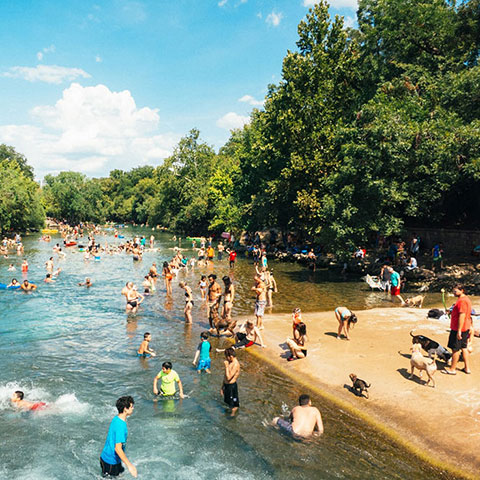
(304, 419)
(346, 319)
(229, 388)
(113, 453)
(261, 301)
(460, 326)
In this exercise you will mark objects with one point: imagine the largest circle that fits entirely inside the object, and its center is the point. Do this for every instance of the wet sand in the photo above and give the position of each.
(440, 424)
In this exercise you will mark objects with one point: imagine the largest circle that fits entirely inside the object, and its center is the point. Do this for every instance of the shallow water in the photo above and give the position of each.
(75, 349)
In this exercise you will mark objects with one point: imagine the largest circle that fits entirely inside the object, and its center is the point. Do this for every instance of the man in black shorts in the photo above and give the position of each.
(229, 388)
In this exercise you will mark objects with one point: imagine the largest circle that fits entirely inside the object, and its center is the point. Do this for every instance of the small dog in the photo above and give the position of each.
(415, 301)
(431, 347)
(419, 362)
(359, 386)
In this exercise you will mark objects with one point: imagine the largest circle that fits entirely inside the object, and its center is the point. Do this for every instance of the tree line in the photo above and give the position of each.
(369, 130)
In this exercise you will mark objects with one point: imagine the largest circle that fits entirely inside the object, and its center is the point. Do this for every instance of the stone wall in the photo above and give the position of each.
(455, 242)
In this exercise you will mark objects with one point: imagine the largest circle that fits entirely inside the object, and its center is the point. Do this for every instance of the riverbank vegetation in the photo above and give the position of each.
(370, 129)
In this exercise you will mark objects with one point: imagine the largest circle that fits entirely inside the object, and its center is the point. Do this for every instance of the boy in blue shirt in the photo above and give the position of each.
(113, 453)
(203, 351)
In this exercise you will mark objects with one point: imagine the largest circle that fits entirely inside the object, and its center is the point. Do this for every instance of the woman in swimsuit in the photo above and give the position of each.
(228, 296)
(203, 286)
(297, 343)
(246, 336)
(271, 285)
(345, 318)
(167, 275)
(188, 302)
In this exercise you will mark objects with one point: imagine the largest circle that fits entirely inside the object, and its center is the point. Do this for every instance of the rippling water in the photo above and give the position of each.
(75, 348)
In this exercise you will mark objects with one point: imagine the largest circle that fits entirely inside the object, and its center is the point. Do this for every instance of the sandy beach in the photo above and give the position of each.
(441, 424)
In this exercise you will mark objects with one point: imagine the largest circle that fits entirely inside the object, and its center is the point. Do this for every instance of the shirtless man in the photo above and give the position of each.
(260, 290)
(229, 388)
(214, 293)
(304, 419)
(18, 402)
(87, 283)
(27, 286)
(49, 264)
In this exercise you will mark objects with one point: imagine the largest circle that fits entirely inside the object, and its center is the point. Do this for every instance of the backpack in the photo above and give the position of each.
(435, 313)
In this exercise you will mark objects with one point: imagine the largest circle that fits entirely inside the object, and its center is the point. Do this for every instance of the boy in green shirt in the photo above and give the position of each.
(168, 377)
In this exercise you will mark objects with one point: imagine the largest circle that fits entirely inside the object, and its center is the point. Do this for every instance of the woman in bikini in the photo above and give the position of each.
(346, 319)
(228, 296)
(188, 302)
(167, 275)
(297, 343)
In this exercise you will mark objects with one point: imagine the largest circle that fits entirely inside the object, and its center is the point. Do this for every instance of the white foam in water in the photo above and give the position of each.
(32, 394)
(67, 404)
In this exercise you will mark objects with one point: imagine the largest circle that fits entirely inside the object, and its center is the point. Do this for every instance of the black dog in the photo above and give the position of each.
(432, 347)
(359, 386)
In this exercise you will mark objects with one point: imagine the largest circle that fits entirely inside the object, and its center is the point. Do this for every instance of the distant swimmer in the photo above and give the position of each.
(49, 264)
(134, 299)
(113, 453)
(27, 286)
(144, 350)
(48, 278)
(25, 266)
(304, 419)
(11, 268)
(188, 302)
(229, 388)
(18, 402)
(202, 355)
(168, 378)
(14, 283)
(87, 283)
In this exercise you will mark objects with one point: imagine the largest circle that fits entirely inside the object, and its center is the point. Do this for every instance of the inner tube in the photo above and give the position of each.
(121, 236)
(3, 286)
(70, 244)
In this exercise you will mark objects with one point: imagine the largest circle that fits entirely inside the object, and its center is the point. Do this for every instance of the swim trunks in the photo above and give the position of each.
(260, 307)
(454, 343)
(204, 364)
(109, 470)
(132, 303)
(394, 291)
(285, 425)
(144, 355)
(230, 394)
(38, 406)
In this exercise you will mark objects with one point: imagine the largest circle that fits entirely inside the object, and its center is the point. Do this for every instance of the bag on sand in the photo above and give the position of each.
(435, 313)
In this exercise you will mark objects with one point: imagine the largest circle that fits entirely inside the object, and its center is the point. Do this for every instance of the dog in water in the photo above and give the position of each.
(419, 362)
(432, 348)
(415, 301)
(359, 386)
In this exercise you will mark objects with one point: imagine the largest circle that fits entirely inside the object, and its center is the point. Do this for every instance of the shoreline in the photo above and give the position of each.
(411, 414)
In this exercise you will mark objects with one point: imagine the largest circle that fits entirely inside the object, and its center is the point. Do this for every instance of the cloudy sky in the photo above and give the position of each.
(95, 85)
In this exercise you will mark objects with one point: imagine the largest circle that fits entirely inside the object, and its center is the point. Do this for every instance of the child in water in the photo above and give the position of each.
(203, 286)
(203, 351)
(168, 378)
(144, 350)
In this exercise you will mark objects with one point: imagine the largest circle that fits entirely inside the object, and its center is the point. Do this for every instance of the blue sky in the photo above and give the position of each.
(95, 85)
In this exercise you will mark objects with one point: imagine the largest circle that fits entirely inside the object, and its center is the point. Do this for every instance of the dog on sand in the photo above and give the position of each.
(359, 386)
(415, 301)
(432, 347)
(419, 362)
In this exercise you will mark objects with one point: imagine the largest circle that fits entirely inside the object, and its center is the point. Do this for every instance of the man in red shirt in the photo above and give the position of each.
(232, 257)
(460, 324)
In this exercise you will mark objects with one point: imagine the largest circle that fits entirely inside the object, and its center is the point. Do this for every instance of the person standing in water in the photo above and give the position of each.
(304, 419)
(202, 355)
(113, 453)
(168, 378)
(261, 301)
(188, 302)
(229, 388)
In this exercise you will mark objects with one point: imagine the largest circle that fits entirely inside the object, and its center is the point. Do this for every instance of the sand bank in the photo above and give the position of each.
(440, 424)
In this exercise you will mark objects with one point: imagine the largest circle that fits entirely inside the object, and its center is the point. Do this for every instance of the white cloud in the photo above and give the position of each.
(232, 120)
(46, 73)
(98, 58)
(251, 100)
(334, 3)
(92, 130)
(221, 3)
(274, 18)
(41, 53)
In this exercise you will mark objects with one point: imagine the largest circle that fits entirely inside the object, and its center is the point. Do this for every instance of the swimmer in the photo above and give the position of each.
(113, 453)
(11, 268)
(27, 286)
(168, 378)
(48, 278)
(18, 402)
(202, 355)
(13, 283)
(304, 419)
(25, 266)
(188, 302)
(49, 264)
(87, 283)
(144, 349)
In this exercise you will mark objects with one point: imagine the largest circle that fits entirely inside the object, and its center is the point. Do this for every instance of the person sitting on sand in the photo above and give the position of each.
(304, 419)
(346, 319)
(18, 402)
(144, 349)
(297, 343)
(246, 336)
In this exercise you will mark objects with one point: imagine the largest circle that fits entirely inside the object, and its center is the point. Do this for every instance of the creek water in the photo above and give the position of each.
(75, 349)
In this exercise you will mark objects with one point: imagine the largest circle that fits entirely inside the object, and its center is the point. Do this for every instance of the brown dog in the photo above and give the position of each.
(359, 386)
(415, 301)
